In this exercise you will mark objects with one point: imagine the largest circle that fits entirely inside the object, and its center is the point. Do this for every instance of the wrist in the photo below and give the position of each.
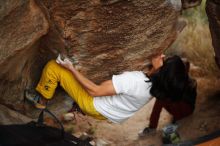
(71, 68)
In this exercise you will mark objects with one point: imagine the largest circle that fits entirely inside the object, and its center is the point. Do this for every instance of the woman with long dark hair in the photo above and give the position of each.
(116, 99)
(174, 90)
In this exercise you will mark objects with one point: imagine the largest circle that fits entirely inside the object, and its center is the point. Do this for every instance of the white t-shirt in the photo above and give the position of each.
(132, 94)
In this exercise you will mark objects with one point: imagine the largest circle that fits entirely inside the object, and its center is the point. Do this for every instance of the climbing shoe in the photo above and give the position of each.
(170, 134)
(35, 99)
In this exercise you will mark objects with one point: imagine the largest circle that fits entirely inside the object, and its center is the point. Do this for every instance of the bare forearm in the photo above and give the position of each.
(85, 82)
(104, 89)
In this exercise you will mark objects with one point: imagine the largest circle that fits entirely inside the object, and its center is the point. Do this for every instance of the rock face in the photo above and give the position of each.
(22, 24)
(8, 116)
(109, 36)
(103, 37)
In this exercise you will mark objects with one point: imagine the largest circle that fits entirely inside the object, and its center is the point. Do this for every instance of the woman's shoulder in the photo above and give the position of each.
(138, 74)
(134, 73)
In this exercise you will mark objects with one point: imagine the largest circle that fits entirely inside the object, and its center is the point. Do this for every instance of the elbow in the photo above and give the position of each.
(94, 92)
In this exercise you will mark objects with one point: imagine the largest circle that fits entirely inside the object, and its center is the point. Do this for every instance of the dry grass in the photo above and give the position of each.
(194, 42)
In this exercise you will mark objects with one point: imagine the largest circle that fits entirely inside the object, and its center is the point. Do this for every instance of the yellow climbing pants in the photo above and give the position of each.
(53, 74)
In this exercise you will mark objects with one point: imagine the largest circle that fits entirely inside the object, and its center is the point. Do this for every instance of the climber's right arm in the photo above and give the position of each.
(104, 89)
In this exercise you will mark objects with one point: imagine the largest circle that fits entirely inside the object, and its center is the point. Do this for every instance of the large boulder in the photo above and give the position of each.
(22, 24)
(106, 37)
(103, 37)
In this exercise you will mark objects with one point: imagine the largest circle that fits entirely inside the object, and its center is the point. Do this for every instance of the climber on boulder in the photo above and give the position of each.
(115, 100)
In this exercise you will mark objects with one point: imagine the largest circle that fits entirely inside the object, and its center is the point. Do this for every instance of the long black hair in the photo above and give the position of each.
(172, 81)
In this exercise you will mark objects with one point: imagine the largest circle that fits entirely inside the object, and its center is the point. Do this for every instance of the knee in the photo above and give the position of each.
(52, 68)
(53, 65)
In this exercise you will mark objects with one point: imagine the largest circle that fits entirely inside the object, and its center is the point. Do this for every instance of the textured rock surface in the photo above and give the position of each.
(109, 36)
(104, 37)
(22, 24)
(9, 116)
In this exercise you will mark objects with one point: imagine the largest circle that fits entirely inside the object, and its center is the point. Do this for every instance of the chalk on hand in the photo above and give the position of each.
(58, 60)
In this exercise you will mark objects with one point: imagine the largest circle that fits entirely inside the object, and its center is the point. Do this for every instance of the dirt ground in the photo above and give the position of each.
(204, 120)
